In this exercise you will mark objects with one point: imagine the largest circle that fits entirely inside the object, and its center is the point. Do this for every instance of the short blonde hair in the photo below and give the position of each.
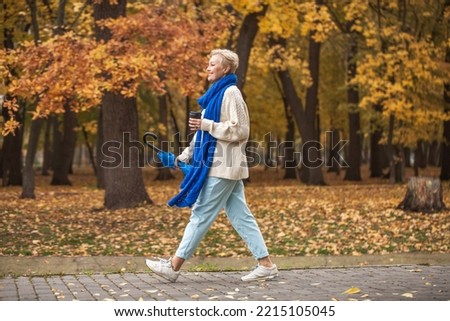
(229, 58)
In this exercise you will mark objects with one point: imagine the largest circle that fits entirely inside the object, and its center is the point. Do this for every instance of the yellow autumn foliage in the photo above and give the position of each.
(397, 68)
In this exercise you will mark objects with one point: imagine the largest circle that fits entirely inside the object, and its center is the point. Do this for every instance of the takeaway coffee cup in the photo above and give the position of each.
(195, 114)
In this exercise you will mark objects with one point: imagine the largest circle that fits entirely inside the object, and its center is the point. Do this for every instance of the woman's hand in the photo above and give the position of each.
(195, 124)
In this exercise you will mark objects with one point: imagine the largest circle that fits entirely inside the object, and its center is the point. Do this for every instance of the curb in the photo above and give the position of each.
(51, 265)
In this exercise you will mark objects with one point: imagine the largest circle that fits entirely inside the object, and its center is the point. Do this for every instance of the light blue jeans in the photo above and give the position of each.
(218, 194)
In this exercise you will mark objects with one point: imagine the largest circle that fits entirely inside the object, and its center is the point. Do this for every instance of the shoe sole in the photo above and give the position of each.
(264, 278)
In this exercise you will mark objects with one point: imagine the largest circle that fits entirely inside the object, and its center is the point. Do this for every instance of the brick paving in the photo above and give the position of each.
(378, 283)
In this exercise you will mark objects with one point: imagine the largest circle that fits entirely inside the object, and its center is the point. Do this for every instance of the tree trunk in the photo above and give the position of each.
(99, 156)
(399, 164)
(56, 140)
(407, 153)
(353, 172)
(445, 146)
(247, 34)
(288, 146)
(424, 194)
(34, 20)
(246, 37)
(333, 164)
(47, 154)
(90, 151)
(376, 153)
(445, 153)
(63, 160)
(420, 158)
(12, 153)
(290, 163)
(124, 183)
(269, 159)
(311, 172)
(163, 172)
(28, 173)
(395, 155)
(63, 154)
(433, 153)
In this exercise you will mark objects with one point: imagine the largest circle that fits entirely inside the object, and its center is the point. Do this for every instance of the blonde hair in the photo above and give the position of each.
(229, 58)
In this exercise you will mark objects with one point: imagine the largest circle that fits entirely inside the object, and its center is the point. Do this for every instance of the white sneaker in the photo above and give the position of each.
(261, 273)
(163, 268)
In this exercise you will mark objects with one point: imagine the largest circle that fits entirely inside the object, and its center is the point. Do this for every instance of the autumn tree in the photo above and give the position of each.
(391, 71)
(349, 22)
(129, 51)
(124, 183)
(399, 73)
(280, 25)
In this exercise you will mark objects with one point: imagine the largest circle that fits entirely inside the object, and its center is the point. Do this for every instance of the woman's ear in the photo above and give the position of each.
(226, 70)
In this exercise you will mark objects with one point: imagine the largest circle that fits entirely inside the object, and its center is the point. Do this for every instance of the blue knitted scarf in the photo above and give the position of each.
(204, 146)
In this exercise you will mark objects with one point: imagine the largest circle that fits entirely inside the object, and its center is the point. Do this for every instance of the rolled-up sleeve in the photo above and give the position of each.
(186, 154)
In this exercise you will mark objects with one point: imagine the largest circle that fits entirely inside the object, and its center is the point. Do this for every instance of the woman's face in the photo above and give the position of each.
(215, 68)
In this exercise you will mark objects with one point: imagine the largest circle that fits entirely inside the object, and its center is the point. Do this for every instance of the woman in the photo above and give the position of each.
(217, 154)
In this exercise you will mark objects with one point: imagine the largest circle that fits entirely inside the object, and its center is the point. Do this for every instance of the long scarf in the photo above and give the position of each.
(204, 146)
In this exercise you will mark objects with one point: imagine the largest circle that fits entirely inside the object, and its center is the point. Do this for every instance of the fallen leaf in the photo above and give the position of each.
(408, 295)
(352, 290)
(415, 270)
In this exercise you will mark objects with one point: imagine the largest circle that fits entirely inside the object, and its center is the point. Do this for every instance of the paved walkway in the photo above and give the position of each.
(421, 278)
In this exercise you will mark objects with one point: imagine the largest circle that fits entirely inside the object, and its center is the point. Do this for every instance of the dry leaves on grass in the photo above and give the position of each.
(295, 220)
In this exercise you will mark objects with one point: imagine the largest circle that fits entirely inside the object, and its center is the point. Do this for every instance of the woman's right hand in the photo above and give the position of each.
(195, 124)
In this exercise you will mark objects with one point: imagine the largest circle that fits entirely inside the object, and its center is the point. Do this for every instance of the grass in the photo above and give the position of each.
(342, 218)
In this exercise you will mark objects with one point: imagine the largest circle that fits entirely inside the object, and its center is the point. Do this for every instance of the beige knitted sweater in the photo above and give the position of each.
(231, 133)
